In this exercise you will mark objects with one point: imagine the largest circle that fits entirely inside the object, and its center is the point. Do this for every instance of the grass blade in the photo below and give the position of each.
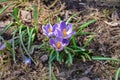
(104, 58)
(3, 0)
(86, 25)
(87, 56)
(74, 41)
(13, 45)
(88, 41)
(70, 59)
(71, 49)
(29, 38)
(54, 77)
(51, 58)
(21, 41)
(58, 56)
(16, 14)
(83, 33)
(117, 74)
(35, 15)
(59, 19)
(6, 28)
(50, 71)
(83, 58)
(4, 8)
(71, 18)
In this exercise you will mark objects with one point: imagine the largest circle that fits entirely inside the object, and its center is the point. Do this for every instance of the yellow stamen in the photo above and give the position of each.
(64, 32)
(58, 44)
(50, 30)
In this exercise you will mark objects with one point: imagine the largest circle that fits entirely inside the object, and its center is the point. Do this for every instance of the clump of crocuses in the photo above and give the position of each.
(59, 34)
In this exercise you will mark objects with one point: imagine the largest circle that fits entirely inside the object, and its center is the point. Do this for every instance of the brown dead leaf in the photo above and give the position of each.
(25, 16)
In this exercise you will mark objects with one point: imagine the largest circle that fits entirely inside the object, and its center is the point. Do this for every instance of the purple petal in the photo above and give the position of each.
(55, 26)
(73, 32)
(44, 29)
(2, 46)
(65, 42)
(48, 26)
(59, 39)
(52, 41)
(58, 33)
(27, 61)
(63, 25)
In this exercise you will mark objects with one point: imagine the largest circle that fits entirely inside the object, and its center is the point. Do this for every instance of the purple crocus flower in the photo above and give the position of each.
(48, 30)
(64, 31)
(2, 46)
(59, 43)
(27, 61)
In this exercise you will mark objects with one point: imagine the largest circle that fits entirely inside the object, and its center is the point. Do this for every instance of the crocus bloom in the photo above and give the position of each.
(48, 30)
(2, 46)
(64, 31)
(27, 61)
(59, 43)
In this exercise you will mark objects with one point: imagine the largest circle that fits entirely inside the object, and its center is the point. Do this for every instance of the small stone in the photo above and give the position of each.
(26, 15)
(84, 78)
(44, 58)
(62, 74)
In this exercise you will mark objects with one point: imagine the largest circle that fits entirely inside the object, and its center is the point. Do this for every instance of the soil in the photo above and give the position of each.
(106, 40)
